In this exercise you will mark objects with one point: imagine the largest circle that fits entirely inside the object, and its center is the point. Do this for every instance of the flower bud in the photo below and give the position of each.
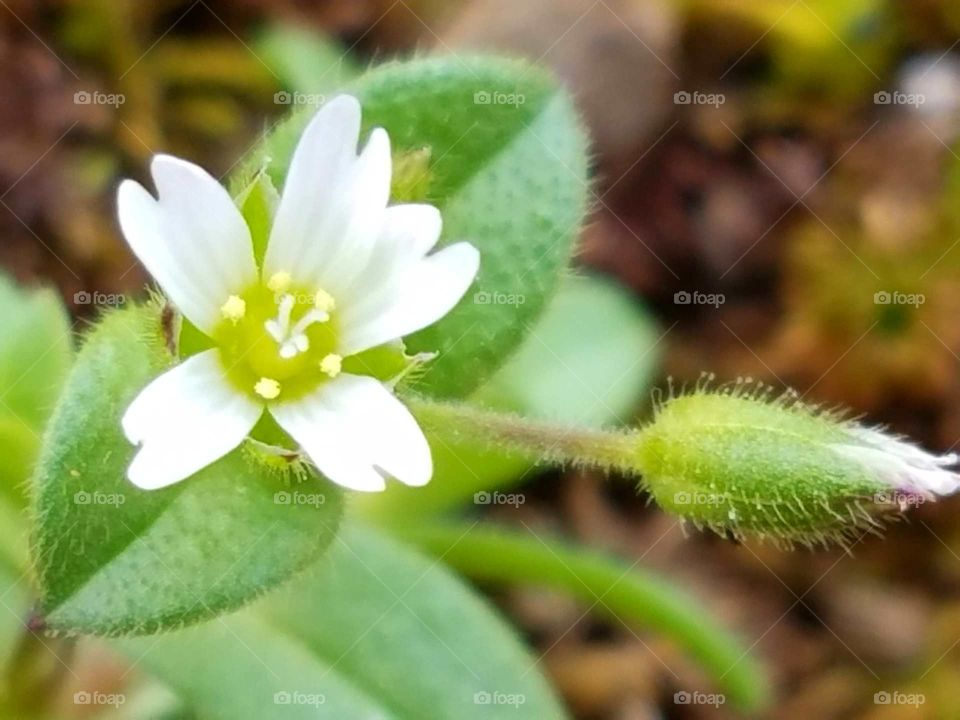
(739, 463)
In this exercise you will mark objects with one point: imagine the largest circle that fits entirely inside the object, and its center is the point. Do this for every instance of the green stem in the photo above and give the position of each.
(609, 585)
(533, 440)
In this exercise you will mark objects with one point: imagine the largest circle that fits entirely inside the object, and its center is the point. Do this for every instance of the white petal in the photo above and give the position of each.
(354, 429)
(909, 452)
(358, 219)
(323, 158)
(192, 239)
(900, 475)
(184, 420)
(407, 234)
(333, 201)
(410, 230)
(428, 291)
(900, 464)
(938, 482)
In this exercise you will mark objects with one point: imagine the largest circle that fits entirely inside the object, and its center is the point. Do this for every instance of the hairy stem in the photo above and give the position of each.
(533, 440)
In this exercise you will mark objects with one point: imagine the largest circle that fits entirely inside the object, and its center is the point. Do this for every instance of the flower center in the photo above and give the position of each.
(278, 341)
(292, 337)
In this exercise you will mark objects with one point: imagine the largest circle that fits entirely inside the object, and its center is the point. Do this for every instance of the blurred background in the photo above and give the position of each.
(776, 186)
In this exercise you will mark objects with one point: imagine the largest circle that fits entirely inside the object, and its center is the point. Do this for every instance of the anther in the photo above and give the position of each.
(234, 309)
(332, 364)
(267, 388)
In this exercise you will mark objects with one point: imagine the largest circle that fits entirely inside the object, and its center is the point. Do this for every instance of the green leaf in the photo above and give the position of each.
(35, 354)
(15, 600)
(378, 631)
(19, 443)
(113, 559)
(16, 604)
(586, 362)
(607, 585)
(13, 637)
(306, 61)
(509, 175)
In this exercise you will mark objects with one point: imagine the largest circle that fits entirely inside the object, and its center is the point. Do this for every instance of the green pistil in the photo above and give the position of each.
(278, 341)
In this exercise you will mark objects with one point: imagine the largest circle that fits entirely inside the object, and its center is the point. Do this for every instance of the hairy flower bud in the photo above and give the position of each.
(739, 463)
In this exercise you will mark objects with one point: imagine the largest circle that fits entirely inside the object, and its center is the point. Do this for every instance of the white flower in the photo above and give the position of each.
(342, 273)
(909, 471)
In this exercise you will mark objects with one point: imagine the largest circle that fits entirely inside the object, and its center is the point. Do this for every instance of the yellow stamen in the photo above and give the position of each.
(279, 282)
(324, 301)
(332, 364)
(267, 388)
(234, 309)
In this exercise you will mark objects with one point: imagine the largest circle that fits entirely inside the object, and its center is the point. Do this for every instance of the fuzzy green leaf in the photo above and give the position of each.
(113, 559)
(507, 166)
(379, 631)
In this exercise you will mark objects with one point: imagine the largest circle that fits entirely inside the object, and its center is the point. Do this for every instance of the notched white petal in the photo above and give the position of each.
(184, 420)
(191, 238)
(315, 183)
(355, 431)
(357, 222)
(427, 291)
(408, 232)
